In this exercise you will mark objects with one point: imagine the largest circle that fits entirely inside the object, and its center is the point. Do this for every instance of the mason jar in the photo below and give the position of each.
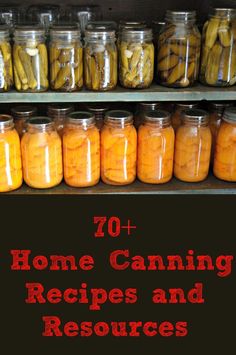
(136, 58)
(21, 114)
(58, 113)
(225, 151)
(142, 109)
(218, 64)
(6, 70)
(179, 46)
(41, 151)
(81, 150)
(66, 59)
(180, 107)
(118, 148)
(193, 147)
(99, 110)
(10, 156)
(100, 60)
(156, 141)
(30, 59)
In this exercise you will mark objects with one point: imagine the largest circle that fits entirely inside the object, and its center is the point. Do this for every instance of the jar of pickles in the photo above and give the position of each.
(81, 150)
(216, 111)
(99, 110)
(10, 155)
(179, 50)
(136, 58)
(30, 59)
(142, 109)
(6, 71)
(118, 148)
(21, 114)
(100, 60)
(180, 107)
(156, 140)
(192, 147)
(41, 154)
(66, 59)
(218, 64)
(225, 150)
(59, 113)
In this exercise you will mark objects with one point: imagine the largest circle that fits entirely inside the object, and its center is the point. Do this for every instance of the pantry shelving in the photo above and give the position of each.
(155, 93)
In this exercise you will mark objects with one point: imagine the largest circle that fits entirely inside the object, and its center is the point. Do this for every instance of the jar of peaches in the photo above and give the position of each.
(10, 156)
(225, 151)
(118, 148)
(41, 154)
(156, 140)
(193, 147)
(59, 113)
(177, 114)
(21, 114)
(81, 150)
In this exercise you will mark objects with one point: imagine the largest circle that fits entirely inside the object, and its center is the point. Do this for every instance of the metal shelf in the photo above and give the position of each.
(154, 93)
(211, 186)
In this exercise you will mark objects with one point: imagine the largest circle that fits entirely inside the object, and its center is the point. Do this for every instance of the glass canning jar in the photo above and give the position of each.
(179, 45)
(81, 150)
(156, 141)
(136, 58)
(180, 107)
(41, 154)
(193, 147)
(216, 111)
(30, 59)
(21, 114)
(100, 60)
(218, 64)
(142, 109)
(10, 155)
(6, 70)
(225, 151)
(118, 148)
(66, 59)
(58, 113)
(99, 110)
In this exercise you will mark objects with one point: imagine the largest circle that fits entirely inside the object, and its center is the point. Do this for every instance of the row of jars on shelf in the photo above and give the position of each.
(117, 153)
(96, 65)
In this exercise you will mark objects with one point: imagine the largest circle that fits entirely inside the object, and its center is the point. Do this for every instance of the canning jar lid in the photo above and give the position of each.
(219, 105)
(59, 109)
(146, 106)
(195, 115)
(23, 112)
(97, 107)
(119, 115)
(81, 118)
(40, 121)
(93, 25)
(230, 115)
(157, 115)
(142, 33)
(125, 23)
(29, 30)
(186, 105)
(60, 30)
(103, 33)
(6, 121)
(180, 15)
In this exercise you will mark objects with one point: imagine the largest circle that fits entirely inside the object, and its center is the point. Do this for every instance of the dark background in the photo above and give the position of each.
(165, 225)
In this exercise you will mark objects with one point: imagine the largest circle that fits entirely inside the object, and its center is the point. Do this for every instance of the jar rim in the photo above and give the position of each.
(22, 30)
(188, 15)
(5, 119)
(157, 115)
(146, 31)
(65, 30)
(81, 117)
(40, 121)
(230, 114)
(60, 109)
(22, 111)
(98, 33)
(195, 115)
(187, 105)
(96, 107)
(119, 115)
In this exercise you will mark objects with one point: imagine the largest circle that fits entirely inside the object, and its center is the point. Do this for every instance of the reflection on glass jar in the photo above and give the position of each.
(156, 140)
(179, 46)
(30, 59)
(100, 60)
(66, 59)
(99, 110)
(6, 70)
(81, 150)
(58, 113)
(180, 107)
(118, 148)
(193, 147)
(218, 64)
(41, 154)
(225, 151)
(10, 155)
(21, 114)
